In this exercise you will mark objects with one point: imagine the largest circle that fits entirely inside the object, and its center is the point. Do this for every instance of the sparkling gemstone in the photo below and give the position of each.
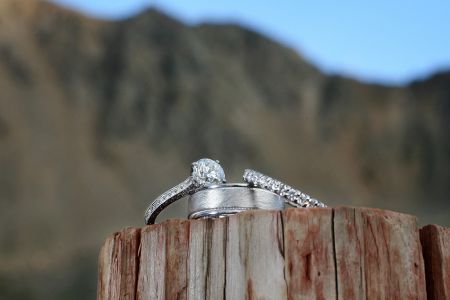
(207, 171)
(291, 194)
(276, 187)
(314, 202)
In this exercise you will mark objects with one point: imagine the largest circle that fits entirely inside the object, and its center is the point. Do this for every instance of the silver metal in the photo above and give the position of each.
(228, 199)
(204, 172)
(293, 196)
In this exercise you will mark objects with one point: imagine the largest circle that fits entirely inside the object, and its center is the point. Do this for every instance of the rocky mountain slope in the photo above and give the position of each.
(98, 117)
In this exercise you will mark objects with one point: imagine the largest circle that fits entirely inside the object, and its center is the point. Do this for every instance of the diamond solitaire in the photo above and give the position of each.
(204, 172)
(207, 171)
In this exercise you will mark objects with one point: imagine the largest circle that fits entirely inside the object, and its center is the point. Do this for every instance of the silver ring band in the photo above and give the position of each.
(177, 192)
(228, 199)
(293, 196)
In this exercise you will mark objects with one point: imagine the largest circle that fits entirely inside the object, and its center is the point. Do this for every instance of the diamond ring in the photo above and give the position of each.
(293, 196)
(204, 172)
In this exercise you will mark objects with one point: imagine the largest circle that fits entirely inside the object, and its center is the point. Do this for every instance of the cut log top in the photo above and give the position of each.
(317, 253)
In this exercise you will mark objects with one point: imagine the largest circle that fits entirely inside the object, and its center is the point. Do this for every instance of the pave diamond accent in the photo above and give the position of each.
(293, 196)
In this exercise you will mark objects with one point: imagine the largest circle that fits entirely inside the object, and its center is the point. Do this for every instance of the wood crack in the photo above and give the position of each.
(333, 234)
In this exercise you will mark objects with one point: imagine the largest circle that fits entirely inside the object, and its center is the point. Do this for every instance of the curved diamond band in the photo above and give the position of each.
(204, 172)
(293, 196)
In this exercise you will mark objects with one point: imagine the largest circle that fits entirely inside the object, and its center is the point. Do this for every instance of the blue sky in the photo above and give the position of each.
(384, 41)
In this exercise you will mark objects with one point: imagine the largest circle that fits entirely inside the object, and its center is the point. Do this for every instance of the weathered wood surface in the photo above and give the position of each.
(119, 265)
(378, 255)
(436, 252)
(317, 253)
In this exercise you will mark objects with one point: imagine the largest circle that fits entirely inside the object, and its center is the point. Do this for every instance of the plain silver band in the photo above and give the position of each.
(228, 199)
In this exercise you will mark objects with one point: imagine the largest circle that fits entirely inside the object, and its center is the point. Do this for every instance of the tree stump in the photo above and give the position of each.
(314, 253)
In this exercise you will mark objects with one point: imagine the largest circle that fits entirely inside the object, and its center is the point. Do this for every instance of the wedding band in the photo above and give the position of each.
(204, 172)
(227, 199)
(293, 196)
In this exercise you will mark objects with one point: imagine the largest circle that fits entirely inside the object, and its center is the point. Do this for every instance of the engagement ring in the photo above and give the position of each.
(204, 172)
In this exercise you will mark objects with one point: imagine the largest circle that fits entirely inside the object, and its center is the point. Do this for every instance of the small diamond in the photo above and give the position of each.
(264, 181)
(275, 186)
(314, 202)
(291, 195)
(285, 190)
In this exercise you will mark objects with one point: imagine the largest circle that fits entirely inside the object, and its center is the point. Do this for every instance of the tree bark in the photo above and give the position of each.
(315, 253)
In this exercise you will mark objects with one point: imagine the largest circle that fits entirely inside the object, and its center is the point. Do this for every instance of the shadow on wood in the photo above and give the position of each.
(316, 253)
(436, 252)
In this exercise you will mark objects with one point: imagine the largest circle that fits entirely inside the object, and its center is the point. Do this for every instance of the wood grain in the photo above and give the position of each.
(254, 257)
(309, 254)
(118, 265)
(436, 252)
(163, 261)
(317, 253)
(378, 255)
(207, 259)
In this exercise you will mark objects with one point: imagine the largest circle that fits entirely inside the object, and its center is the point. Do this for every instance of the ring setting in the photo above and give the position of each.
(207, 171)
(210, 196)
